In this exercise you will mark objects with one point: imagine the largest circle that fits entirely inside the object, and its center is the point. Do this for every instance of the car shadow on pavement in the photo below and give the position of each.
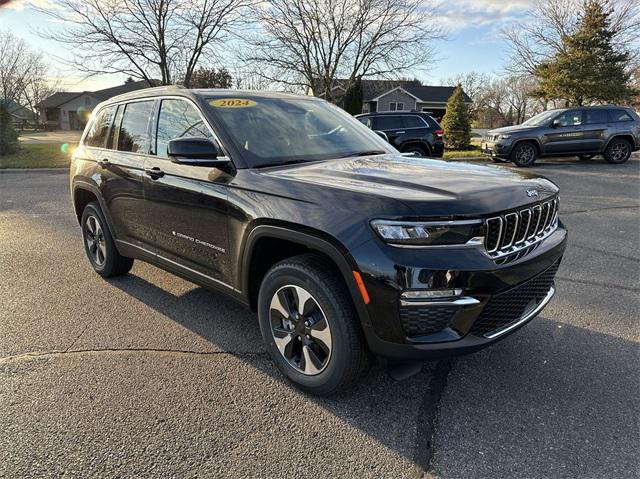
(389, 411)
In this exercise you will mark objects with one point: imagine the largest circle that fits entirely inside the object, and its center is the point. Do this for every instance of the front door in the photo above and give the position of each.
(392, 126)
(566, 136)
(187, 204)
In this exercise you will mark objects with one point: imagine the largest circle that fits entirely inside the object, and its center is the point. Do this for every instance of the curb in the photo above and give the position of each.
(63, 169)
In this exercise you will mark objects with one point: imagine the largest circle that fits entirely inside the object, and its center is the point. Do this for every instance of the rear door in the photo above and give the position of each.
(121, 172)
(416, 130)
(567, 137)
(392, 126)
(595, 123)
(187, 204)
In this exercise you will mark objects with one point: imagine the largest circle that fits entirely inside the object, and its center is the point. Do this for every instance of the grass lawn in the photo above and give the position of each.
(472, 152)
(42, 155)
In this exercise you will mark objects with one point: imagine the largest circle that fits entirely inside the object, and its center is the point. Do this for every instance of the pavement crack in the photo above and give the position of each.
(77, 352)
(597, 283)
(592, 210)
(427, 420)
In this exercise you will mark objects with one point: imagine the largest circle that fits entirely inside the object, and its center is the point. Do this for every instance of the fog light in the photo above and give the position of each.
(416, 294)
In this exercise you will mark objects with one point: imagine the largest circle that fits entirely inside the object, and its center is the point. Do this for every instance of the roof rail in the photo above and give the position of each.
(160, 87)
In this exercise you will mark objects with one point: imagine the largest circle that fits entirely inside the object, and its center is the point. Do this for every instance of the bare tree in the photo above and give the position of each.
(542, 35)
(146, 39)
(475, 84)
(310, 43)
(18, 63)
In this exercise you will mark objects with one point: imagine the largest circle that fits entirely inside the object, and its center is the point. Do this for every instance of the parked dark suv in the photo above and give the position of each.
(291, 206)
(409, 131)
(612, 131)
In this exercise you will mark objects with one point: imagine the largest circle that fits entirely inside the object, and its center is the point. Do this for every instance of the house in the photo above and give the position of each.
(402, 95)
(71, 110)
(21, 116)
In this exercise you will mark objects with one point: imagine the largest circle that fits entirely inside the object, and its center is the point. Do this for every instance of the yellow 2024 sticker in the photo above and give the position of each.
(232, 103)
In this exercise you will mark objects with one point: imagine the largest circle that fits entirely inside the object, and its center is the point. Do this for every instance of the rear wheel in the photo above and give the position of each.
(618, 151)
(99, 244)
(417, 150)
(524, 154)
(310, 326)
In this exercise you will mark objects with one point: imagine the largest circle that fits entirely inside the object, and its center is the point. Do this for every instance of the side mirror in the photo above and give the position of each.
(555, 123)
(382, 135)
(196, 152)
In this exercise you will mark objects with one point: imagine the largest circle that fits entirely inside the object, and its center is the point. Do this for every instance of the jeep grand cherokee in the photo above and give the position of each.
(344, 247)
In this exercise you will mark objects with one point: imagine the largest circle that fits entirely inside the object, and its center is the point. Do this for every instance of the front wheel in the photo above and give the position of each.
(310, 326)
(524, 154)
(99, 245)
(618, 151)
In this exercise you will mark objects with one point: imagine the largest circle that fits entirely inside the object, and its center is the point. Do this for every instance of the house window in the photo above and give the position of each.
(395, 106)
(365, 108)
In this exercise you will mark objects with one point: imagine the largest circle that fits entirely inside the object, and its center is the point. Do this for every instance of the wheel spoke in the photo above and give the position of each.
(277, 304)
(284, 344)
(302, 300)
(310, 363)
(99, 256)
(91, 225)
(103, 249)
(322, 335)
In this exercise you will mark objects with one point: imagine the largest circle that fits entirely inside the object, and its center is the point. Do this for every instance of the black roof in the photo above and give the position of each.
(62, 97)
(372, 89)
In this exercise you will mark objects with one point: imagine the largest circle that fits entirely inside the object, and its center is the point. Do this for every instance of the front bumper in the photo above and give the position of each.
(498, 149)
(493, 301)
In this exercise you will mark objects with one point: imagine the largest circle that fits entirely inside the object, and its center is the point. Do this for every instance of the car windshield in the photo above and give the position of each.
(541, 118)
(272, 131)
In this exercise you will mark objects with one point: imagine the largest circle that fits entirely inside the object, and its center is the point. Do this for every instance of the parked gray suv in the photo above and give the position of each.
(611, 131)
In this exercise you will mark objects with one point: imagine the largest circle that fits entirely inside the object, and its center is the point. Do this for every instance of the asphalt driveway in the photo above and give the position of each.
(152, 376)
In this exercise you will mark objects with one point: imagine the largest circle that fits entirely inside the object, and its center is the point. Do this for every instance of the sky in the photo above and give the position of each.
(473, 41)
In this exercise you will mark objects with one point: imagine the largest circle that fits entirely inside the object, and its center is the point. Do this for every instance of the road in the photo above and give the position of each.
(151, 376)
(58, 136)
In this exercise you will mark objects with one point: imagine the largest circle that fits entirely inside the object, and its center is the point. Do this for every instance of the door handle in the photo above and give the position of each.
(400, 132)
(104, 163)
(154, 172)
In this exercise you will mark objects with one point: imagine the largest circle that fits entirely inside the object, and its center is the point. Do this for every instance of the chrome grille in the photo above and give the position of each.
(511, 235)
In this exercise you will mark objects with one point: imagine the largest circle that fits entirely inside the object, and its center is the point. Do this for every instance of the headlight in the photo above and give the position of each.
(504, 137)
(426, 233)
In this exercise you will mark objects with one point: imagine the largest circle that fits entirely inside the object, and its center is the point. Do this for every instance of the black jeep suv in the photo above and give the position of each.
(612, 131)
(408, 131)
(343, 246)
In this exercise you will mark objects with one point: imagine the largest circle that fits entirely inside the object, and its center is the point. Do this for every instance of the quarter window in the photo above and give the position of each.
(396, 106)
(99, 130)
(133, 134)
(414, 122)
(591, 117)
(178, 119)
(619, 115)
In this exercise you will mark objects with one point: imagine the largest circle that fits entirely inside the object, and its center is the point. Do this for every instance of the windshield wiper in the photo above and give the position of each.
(282, 163)
(364, 153)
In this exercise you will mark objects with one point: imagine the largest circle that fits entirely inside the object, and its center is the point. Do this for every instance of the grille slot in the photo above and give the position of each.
(507, 307)
(511, 235)
(417, 321)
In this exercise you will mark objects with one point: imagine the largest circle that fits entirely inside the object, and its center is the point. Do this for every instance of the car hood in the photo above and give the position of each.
(427, 186)
(512, 129)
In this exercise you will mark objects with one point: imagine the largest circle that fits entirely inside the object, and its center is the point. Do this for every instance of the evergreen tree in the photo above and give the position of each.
(353, 98)
(589, 68)
(8, 134)
(456, 122)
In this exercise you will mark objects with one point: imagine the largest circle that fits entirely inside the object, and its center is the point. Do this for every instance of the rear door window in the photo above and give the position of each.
(414, 122)
(387, 122)
(134, 131)
(366, 121)
(593, 117)
(178, 119)
(619, 115)
(97, 135)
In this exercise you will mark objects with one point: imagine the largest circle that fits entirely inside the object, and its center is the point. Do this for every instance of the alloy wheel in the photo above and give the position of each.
(619, 152)
(300, 329)
(525, 154)
(94, 236)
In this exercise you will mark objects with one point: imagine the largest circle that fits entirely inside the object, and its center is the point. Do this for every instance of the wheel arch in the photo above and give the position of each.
(422, 144)
(84, 193)
(292, 242)
(622, 136)
(534, 141)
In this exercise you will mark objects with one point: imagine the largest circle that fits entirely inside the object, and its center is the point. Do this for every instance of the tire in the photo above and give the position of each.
(418, 150)
(99, 245)
(618, 151)
(585, 157)
(328, 329)
(524, 154)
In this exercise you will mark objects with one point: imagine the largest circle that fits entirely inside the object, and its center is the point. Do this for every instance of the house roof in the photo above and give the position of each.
(373, 89)
(17, 110)
(62, 97)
